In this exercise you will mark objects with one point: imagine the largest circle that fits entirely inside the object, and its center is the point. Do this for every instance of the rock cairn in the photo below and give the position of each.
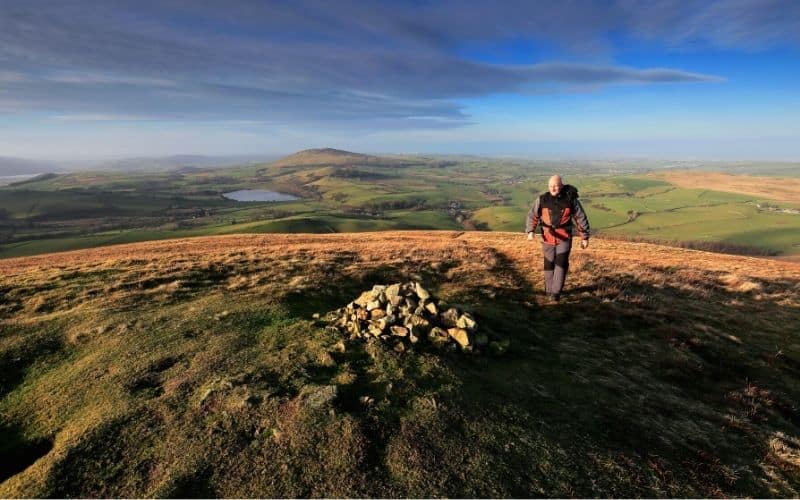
(406, 314)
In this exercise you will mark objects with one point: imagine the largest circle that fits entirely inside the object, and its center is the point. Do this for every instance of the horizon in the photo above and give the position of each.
(269, 157)
(668, 81)
(260, 157)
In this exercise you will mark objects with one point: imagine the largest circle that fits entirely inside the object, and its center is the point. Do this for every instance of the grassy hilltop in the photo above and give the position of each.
(194, 368)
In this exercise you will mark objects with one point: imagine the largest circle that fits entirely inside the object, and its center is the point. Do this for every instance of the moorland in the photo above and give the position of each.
(195, 368)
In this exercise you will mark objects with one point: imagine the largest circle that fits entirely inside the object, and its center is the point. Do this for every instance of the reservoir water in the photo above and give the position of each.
(258, 195)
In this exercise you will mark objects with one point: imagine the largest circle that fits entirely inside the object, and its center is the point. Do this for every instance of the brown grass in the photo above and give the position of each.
(230, 251)
(772, 188)
(180, 368)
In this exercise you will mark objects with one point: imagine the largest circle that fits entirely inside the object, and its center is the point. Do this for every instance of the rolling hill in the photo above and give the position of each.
(194, 367)
(326, 157)
(341, 191)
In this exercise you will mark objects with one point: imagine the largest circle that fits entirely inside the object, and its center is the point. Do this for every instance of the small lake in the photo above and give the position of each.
(258, 195)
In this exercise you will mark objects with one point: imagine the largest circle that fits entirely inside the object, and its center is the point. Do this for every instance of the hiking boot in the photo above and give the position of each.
(553, 298)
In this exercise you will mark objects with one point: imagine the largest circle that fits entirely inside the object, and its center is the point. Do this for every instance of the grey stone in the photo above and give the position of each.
(418, 321)
(438, 335)
(466, 322)
(421, 292)
(392, 291)
(382, 323)
(319, 396)
(363, 299)
(449, 318)
(399, 331)
(459, 335)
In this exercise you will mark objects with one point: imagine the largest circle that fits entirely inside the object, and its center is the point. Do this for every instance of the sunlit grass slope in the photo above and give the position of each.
(194, 368)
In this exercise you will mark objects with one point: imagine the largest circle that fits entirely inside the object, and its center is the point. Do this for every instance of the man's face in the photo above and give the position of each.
(554, 186)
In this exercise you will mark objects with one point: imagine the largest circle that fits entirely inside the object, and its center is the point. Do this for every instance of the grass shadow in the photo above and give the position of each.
(17, 452)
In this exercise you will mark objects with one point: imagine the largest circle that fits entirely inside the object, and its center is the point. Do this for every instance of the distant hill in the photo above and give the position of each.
(185, 163)
(20, 166)
(36, 178)
(195, 368)
(327, 157)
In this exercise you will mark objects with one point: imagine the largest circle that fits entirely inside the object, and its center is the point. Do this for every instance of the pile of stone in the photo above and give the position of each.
(405, 314)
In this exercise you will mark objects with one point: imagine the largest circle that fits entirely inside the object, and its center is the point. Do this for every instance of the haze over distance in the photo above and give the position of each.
(684, 80)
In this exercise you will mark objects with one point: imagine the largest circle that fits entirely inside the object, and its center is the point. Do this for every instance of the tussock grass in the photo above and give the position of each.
(192, 368)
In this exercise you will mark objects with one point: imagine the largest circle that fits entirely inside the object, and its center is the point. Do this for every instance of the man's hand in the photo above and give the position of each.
(584, 244)
(535, 236)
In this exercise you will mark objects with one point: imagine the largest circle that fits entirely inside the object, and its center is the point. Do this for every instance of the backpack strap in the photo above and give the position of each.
(571, 192)
(571, 195)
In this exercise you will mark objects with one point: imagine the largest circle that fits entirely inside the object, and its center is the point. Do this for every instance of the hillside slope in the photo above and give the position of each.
(326, 157)
(194, 368)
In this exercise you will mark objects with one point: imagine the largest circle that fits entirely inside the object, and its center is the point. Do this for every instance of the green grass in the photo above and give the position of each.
(635, 184)
(741, 224)
(88, 209)
(191, 376)
(502, 218)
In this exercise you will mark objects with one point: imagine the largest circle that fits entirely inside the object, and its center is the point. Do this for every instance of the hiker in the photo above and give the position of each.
(551, 218)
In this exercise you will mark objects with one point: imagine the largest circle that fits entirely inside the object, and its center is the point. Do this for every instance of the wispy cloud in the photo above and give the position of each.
(593, 75)
(100, 118)
(86, 78)
(310, 61)
(11, 77)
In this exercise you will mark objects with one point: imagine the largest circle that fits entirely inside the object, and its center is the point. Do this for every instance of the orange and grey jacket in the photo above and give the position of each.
(554, 214)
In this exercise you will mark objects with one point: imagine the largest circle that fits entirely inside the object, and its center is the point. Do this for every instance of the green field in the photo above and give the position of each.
(667, 213)
(87, 209)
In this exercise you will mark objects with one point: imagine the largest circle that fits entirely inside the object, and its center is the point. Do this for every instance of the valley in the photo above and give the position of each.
(338, 191)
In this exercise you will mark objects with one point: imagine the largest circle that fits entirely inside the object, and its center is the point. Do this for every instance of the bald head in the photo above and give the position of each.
(554, 185)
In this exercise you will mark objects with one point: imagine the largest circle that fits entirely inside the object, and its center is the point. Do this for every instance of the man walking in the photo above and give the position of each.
(551, 216)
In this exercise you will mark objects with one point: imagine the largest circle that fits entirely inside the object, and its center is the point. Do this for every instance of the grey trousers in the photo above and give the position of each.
(556, 265)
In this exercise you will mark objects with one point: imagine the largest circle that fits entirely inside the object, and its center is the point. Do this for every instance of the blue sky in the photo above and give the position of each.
(570, 79)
